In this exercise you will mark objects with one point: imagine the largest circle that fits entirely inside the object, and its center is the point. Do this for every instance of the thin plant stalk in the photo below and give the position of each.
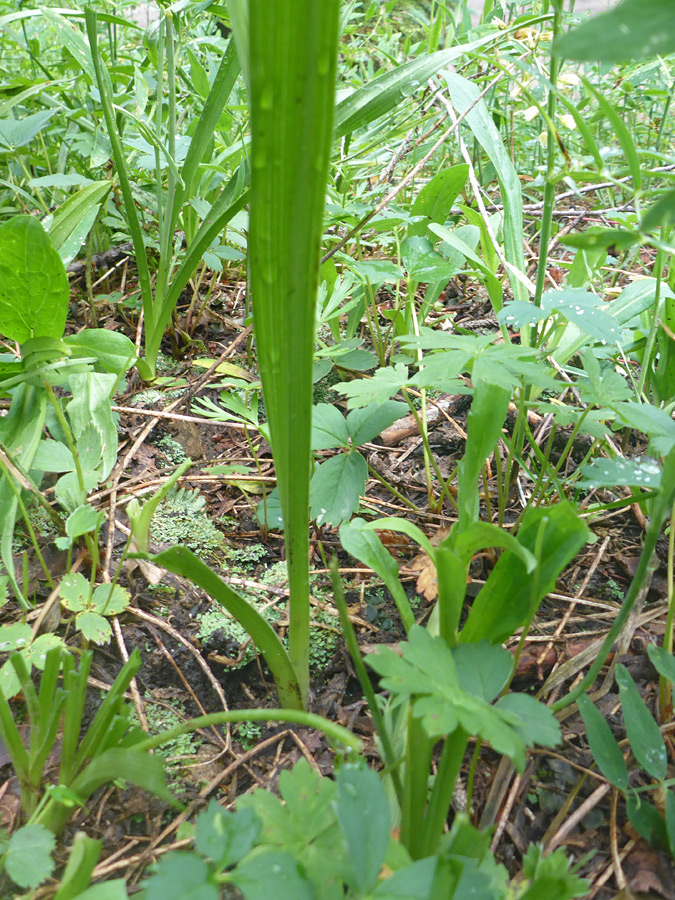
(665, 686)
(551, 147)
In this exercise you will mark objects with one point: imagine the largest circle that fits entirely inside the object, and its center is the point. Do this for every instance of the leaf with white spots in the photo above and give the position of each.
(642, 472)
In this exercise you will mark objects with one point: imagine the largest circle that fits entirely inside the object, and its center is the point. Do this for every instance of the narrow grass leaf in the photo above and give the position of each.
(464, 93)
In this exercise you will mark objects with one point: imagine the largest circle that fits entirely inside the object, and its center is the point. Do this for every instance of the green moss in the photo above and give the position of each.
(182, 519)
(173, 451)
(161, 718)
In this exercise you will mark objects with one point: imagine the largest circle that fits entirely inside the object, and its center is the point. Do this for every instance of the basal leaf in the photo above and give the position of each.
(606, 752)
(33, 283)
(367, 423)
(482, 669)
(644, 735)
(181, 876)
(94, 627)
(363, 810)
(110, 600)
(381, 387)
(336, 486)
(74, 591)
(329, 428)
(536, 725)
(29, 860)
(225, 836)
(113, 350)
(272, 870)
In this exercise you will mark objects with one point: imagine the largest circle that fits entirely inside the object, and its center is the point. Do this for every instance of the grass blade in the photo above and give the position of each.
(293, 60)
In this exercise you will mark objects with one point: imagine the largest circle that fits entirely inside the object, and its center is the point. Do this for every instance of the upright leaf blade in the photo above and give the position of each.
(293, 50)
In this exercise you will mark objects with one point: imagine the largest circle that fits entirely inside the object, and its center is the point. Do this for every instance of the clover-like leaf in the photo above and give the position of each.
(74, 591)
(94, 627)
(109, 600)
(29, 860)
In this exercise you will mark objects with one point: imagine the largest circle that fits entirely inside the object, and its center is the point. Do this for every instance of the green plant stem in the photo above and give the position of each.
(365, 682)
(419, 749)
(449, 766)
(665, 686)
(334, 732)
(551, 145)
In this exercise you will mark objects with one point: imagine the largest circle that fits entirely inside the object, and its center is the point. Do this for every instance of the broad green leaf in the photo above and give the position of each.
(363, 810)
(377, 271)
(293, 56)
(181, 876)
(484, 428)
(106, 890)
(644, 735)
(113, 350)
(663, 662)
(606, 752)
(423, 263)
(336, 487)
(535, 723)
(329, 428)
(272, 869)
(507, 601)
(640, 472)
(225, 836)
(110, 600)
(363, 544)
(16, 133)
(74, 219)
(53, 456)
(435, 199)
(36, 654)
(304, 823)
(15, 637)
(74, 591)
(94, 627)
(83, 520)
(33, 283)
(660, 213)
(29, 860)
(582, 308)
(426, 673)
(647, 821)
(412, 882)
(367, 423)
(634, 29)
(89, 413)
(381, 387)
(482, 669)
(652, 421)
